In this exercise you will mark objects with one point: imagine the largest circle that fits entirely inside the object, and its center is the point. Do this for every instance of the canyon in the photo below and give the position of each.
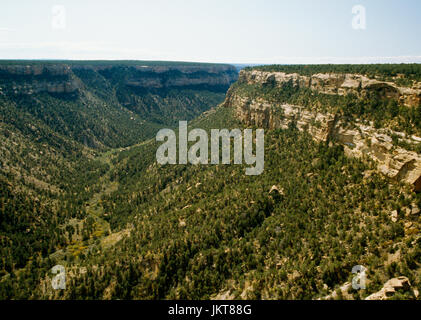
(109, 103)
(81, 185)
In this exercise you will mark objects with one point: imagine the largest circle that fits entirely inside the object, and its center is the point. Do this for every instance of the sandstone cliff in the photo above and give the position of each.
(30, 79)
(359, 139)
(180, 76)
(340, 84)
(35, 70)
(61, 77)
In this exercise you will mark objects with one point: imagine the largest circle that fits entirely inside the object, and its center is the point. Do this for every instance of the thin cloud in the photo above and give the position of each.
(112, 51)
(336, 60)
(78, 50)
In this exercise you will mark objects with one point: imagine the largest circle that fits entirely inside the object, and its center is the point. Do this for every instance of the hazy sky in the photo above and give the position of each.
(242, 31)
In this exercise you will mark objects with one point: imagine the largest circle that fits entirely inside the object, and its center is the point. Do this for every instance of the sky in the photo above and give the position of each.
(229, 31)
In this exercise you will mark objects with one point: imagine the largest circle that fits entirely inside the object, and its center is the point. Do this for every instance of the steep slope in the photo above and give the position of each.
(54, 119)
(111, 104)
(211, 231)
(145, 231)
(360, 113)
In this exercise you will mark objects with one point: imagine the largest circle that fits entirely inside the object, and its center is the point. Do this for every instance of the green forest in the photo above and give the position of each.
(80, 187)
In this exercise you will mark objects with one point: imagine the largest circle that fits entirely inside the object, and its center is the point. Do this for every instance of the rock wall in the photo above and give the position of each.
(35, 70)
(358, 139)
(60, 77)
(33, 87)
(171, 76)
(181, 76)
(340, 84)
(182, 80)
(32, 79)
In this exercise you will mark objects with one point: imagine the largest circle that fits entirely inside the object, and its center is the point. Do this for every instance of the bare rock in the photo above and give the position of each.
(276, 190)
(390, 288)
(394, 215)
(344, 290)
(408, 225)
(333, 83)
(415, 210)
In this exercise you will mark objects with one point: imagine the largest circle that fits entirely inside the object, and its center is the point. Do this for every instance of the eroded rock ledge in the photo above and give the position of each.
(61, 78)
(358, 139)
(335, 83)
(32, 79)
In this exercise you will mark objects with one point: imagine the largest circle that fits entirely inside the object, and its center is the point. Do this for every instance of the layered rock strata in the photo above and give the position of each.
(336, 83)
(358, 139)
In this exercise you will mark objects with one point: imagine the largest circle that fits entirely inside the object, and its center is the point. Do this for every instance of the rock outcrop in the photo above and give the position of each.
(167, 76)
(60, 78)
(277, 190)
(182, 76)
(358, 139)
(35, 69)
(33, 87)
(390, 288)
(340, 84)
(31, 79)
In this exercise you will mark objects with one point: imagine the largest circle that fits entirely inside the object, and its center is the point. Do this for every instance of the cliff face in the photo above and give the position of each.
(32, 79)
(160, 77)
(33, 87)
(60, 78)
(107, 103)
(35, 70)
(358, 139)
(340, 84)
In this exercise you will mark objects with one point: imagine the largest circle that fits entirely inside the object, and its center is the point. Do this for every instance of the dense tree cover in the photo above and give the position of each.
(161, 106)
(127, 228)
(383, 71)
(196, 231)
(105, 111)
(50, 176)
(41, 190)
